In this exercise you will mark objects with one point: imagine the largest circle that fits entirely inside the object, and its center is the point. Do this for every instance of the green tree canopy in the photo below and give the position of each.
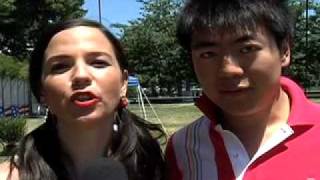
(21, 21)
(152, 49)
(12, 68)
(305, 66)
(157, 58)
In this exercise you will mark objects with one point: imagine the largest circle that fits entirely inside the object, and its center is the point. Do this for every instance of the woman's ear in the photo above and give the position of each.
(42, 97)
(124, 87)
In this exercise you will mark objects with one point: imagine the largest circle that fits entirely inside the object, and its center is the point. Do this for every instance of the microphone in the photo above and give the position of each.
(104, 169)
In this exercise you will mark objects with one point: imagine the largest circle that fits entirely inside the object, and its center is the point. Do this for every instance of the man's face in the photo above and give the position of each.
(238, 72)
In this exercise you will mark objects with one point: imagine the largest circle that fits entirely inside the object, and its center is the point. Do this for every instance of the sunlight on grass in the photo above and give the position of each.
(173, 116)
(33, 123)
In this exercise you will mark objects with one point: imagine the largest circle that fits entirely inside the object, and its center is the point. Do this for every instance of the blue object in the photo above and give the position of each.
(133, 81)
(1, 111)
(14, 111)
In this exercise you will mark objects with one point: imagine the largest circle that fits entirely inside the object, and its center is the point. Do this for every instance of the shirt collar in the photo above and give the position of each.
(297, 97)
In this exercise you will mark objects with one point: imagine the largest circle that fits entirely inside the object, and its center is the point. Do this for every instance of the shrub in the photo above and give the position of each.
(11, 131)
(132, 92)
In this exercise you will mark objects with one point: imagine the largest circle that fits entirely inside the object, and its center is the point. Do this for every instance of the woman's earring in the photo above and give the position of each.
(46, 113)
(116, 123)
(123, 102)
(115, 127)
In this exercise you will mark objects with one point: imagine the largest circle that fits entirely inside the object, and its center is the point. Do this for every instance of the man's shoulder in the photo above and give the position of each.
(198, 126)
(303, 110)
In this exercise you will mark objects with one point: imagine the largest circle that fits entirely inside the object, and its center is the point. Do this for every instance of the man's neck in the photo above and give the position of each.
(254, 130)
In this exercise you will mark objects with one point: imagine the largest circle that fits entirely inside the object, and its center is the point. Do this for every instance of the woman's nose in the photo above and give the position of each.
(81, 77)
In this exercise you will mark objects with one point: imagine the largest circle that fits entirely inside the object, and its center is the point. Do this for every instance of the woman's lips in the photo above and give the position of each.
(85, 104)
(84, 99)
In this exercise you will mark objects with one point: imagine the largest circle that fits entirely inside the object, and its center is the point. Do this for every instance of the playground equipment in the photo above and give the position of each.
(145, 108)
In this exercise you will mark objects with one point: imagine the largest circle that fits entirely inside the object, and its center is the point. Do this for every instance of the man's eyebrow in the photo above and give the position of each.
(203, 44)
(245, 38)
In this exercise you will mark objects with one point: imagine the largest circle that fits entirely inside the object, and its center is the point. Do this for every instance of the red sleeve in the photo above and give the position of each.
(172, 170)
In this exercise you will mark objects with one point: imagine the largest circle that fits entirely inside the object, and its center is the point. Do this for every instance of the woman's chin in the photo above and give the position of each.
(89, 118)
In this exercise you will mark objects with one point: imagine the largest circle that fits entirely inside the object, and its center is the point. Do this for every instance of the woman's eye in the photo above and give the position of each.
(248, 49)
(99, 63)
(59, 68)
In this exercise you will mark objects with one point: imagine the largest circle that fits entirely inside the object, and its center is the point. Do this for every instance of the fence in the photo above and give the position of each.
(313, 94)
(14, 99)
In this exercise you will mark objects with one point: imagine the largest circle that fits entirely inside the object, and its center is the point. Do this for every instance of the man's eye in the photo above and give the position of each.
(248, 49)
(99, 63)
(59, 68)
(207, 55)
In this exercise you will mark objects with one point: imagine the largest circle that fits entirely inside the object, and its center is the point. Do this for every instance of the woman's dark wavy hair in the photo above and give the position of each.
(40, 154)
(235, 16)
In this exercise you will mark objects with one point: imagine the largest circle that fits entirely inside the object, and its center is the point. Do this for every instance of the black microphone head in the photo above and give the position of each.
(104, 169)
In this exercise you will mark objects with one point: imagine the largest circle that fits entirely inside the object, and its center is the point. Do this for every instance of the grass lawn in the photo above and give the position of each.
(173, 116)
(316, 100)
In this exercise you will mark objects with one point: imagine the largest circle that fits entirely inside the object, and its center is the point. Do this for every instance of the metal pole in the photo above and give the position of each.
(307, 23)
(99, 1)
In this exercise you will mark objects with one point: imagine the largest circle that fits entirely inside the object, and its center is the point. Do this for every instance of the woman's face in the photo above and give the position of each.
(82, 80)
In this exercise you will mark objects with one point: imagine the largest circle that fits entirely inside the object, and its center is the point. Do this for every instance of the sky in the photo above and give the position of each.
(113, 11)
(117, 11)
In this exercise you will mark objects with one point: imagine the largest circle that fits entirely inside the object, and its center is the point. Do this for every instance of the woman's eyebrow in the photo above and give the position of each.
(57, 57)
(99, 53)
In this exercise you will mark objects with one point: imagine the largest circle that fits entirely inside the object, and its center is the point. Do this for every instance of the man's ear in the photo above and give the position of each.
(285, 54)
(124, 87)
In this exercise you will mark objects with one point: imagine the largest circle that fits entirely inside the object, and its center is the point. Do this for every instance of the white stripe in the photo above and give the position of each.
(203, 149)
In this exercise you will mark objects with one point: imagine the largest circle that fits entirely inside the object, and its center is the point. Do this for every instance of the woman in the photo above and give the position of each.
(78, 70)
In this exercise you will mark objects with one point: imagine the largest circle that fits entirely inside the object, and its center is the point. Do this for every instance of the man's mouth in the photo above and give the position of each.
(234, 90)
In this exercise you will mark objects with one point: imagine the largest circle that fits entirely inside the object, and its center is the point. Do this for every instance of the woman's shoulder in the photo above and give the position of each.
(5, 170)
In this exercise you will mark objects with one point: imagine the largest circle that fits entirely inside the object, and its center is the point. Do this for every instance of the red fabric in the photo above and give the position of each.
(224, 166)
(297, 158)
(172, 171)
(223, 162)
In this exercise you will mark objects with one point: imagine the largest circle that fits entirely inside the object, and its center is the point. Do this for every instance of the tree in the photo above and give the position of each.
(305, 59)
(152, 49)
(10, 69)
(154, 54)
(23, 20)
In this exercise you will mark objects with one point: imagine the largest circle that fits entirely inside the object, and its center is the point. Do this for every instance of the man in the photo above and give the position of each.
(256, 124)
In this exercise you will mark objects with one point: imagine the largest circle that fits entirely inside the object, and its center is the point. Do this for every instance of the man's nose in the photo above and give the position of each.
(81, 77)
(230, 67)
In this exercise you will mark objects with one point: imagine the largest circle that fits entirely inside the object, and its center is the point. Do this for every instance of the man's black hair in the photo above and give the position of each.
(235, 16)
